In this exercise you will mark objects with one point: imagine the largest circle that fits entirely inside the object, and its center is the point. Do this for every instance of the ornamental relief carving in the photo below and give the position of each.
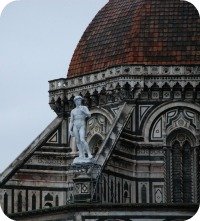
(131, 70)
(120, 163)
(98, 127)
(97, 124)
(127, 87)
(47, 160)
(158, 194)
(124, 149)
(173, 120)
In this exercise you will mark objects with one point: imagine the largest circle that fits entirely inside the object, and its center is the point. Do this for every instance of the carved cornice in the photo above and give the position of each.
(124, 83)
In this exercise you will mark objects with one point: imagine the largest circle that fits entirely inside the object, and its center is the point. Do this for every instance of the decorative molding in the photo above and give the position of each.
(169, 112)
(143, 109)
(117, 85)
(124, 70)
(53, 138)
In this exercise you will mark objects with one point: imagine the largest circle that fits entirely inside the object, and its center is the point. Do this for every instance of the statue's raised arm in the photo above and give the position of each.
(86, 111)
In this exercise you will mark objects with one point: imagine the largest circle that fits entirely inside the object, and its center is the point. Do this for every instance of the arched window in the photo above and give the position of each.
(57, 200)
(33, 202)
(5, 203)
(181, 141)
(48, 200)
(19, 204)
(48, 197)
(144, 194)
(95, 144)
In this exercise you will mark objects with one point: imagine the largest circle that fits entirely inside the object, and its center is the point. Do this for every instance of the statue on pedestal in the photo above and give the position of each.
(77, 129)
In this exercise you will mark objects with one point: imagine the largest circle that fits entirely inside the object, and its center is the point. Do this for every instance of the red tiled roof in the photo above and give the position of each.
(145, 32)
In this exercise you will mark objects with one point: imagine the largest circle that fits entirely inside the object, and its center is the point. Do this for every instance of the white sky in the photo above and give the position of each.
(37, 40)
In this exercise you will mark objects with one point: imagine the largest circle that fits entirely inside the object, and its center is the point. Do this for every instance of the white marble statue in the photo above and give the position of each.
(77, 129)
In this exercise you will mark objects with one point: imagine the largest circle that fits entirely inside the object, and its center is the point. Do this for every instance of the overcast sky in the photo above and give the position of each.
(37, 40)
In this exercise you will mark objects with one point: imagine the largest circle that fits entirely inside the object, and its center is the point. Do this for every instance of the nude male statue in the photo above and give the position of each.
(77, 128)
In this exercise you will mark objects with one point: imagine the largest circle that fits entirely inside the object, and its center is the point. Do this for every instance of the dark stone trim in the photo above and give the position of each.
(55, 145)
(122, 193)
(13, 187)
(60, 134)
(150, 192)
(13, 200)
(105, 207)
(132, 136)
(40, 199)
(108, 172)
(198, 174)
(138, 158)
(137, 191)
(131, 217)
(27, 200)
(168, 174)
(56, 150)
(43, 167)
(137, 117)
(108, 192)
(67, 127)
(116, 200)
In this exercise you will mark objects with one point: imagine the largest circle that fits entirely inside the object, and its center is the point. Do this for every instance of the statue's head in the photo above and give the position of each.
(78, 100)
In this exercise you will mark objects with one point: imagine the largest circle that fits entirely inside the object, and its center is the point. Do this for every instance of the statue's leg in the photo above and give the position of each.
(78, 142)
(83, 141)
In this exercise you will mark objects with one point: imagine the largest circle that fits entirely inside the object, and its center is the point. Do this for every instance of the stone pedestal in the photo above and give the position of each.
(85, 182)
(83, 188)
(81, 160)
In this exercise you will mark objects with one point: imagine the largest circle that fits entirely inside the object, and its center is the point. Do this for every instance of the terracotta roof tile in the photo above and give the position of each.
(149, 32)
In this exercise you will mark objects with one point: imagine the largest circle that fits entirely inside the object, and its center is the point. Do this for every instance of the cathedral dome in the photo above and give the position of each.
(139, 32)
